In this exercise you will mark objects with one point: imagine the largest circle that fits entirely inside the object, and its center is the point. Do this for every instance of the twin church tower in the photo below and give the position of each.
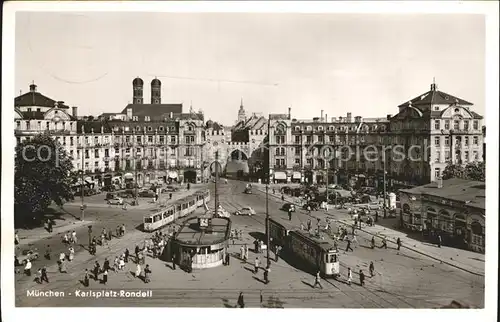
(138, 86)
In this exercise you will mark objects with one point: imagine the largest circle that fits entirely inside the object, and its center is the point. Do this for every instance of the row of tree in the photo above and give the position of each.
(471, 171)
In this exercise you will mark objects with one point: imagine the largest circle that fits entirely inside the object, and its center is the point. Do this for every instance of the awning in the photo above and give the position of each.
(297, 175)
(128, 176)
(172, 174)
(280, 175)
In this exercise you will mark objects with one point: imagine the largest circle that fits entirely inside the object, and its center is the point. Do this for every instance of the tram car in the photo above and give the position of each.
(179, 209)
(315, 252)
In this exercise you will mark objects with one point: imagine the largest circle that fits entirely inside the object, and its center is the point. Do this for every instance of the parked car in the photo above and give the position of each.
(313, 204)
(248, 190)
(147, 193)
(110, 195)
(288, 207)
(115, 201)
(171, 188)
(245, 211)
(31, 254)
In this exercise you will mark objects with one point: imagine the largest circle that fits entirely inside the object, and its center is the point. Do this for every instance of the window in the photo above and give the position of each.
(436, 108)
(138, 150)
(466, 141)
(437, 141)
(106, 153)
(309, 139)
(456, 125)
(149, 127)
(297, 139)
(172, 139)
(466, 125)
(117, 150)
(320, 128)
(475, 125)
(127, 150)
(447, 125)
(96, 153)
(475, 140)
(86, 154)
(150, 139)
(466, 155)
(138, 139)
(437, 125)
(96, 165)
(298, 151)
(447, 141)
(475, 156)
(161, 128)
(71, 141)
(127, 139)
(447, 156)
(437, 173)
(297, 161)
(162, 139)
(438, 156)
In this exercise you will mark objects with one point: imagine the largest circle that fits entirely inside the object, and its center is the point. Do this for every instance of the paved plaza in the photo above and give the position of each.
(402, 279)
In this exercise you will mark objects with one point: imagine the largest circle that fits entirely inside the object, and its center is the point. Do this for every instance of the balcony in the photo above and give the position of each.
(55, 132)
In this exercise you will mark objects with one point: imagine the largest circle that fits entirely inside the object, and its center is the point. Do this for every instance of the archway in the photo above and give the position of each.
(237, 165)
(460, 230)
(190, 176)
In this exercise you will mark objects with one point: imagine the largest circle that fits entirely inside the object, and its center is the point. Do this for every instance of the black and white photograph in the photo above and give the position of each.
(237, 158)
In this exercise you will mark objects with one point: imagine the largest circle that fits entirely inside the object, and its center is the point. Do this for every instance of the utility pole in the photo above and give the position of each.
(267, 189)
(216, 179)
(135, 172)
(384, 183)
(82, 187)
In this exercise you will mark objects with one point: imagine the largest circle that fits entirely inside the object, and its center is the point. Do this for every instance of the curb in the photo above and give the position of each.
(403, 246)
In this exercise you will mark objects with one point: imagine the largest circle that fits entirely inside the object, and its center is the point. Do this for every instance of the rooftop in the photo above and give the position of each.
(434, 96)
(190, 232)
(473, 193)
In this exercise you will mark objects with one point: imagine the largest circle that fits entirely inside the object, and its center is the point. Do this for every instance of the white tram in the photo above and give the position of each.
(315, 252)
(179, 209)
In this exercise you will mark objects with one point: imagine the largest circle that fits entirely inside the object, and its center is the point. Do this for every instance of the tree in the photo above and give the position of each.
(42, 176)
(472, 171)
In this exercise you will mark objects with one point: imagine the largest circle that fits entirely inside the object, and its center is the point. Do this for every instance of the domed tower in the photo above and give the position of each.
(138, 86)
(155, 91)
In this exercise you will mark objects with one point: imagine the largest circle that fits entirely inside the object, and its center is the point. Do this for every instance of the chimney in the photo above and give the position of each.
(389, 116)
(129, 112)
(289, 113)
(341, 119)
(357, 119)
(321, 115)
(32, 88)
(349, 117)
(440, 182)
(171, 115)
(74, 111)
(433, 87)
(334, 119)
(60, 103)
(326, 117)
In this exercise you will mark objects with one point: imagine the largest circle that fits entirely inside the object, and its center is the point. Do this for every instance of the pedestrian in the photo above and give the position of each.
(49, 225)
(301, 226)
(16, 238)
(398, 242)
(121, 264)
(256, 245)
(38, 276)
(137, 253)
(349, 276)
(439, 241)
(348, 246)
(122, 230)
(44, 276)
(353, 229)
(241, 302)
(246, 253)
(147, 273)
(116, 264)
(266, 275)
(170, 196)
(309, 223)
(118, 231)
(48, 252)
(71, 254)
(105, 266)
(282, 197)
(103, 239)
(256, 265)
(227, 258)
(371, 268)
(97, 269)
(105, 277)
(242, 253)
(276, 253)
(73, 237)
(373, 242)
(138, 270)
(63, 267)
(127, 254)
(86, 280)
(361, 278)
(65, 239)
(317, 280)
(376, 216)
(384, 243)
(62, 256)
(289, 214)
(355, 221)
(354, 240)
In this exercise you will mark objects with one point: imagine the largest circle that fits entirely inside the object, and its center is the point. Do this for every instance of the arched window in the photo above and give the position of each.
(320, 128)
(150, 128)
(309, 128)
(297, 128)
(280, 129)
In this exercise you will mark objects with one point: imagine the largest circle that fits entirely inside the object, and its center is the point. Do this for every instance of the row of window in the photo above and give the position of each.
(458, 140)
(457, 125)
(63, 126)
(458, 156)
(332, 128)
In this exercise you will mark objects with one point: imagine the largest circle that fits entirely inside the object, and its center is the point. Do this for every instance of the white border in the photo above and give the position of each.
(490, 9)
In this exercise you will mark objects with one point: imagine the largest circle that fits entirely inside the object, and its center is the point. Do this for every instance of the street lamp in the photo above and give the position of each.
(267, 188)
(384, 183)
(82, 187)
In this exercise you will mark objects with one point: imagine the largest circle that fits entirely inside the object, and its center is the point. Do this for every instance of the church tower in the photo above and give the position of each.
(241, 113)
(138, 85)
(155, 91)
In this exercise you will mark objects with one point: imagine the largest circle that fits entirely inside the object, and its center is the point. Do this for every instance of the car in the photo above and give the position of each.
(248, 190)
(171, 188)
(288, 207)
(147, 194)
(26, 254)
(110, 195)
(245, 211)
(312, 204)
(115, 201)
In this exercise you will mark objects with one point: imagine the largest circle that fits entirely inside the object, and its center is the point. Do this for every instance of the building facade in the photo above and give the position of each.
(453, 209)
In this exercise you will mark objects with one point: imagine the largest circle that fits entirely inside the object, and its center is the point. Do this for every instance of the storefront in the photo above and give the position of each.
(296, 177)
(280, 177)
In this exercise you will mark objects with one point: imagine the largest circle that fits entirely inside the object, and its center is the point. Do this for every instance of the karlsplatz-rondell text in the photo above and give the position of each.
(107, 293)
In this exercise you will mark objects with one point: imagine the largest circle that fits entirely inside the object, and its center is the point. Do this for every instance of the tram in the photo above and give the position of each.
(178, 209)
(313, 251)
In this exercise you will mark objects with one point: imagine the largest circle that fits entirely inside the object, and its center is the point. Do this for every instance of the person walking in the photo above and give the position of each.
(241, 301)
(97, 269)
(73, 237)
(110, 234)
(123, 230)
(86, 279)
(136, 251)
(398, 242)
(376, 215)
(147, 274)
(48, 252)
(27, 268)
(16, 238)
(276, 253)
(105, 277)
(439, 240)
(266, 274)
(309, 223)
(372, 243)
(289, 214)
(121, 263)
(372, 269)
(246, 253)
(38, 276)
(384, 243)
(361, 278)
(63, 266)
(173, 261)
(348, 247)
(227, 258)
(349, 276)
(127, 254)
(138, 270)
(71, 254)
(256, 245)
(317, 280)
(116, 264)
(256, 265)
(49, 225)
(44, 275)
(242, 253)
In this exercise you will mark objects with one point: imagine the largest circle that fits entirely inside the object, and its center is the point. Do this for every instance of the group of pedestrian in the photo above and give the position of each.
(244, 253)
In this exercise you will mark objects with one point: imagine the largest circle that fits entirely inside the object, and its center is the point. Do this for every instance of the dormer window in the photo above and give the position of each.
(150, 128)
(137, 128)
(320, 128)
(160, 128)
(331, 128)
(147, 118)
(135, 118)
(457, 110)
(309, 128)
(297, 128)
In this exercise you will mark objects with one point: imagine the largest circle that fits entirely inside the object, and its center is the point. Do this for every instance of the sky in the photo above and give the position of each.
(366, 64)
